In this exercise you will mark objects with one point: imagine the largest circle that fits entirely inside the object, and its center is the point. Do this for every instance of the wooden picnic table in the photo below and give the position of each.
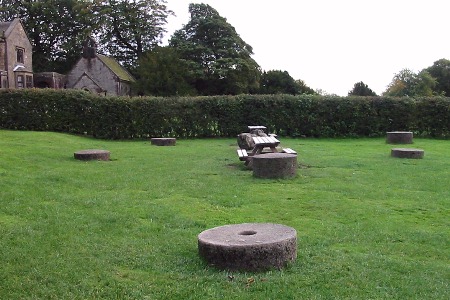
(262, 142)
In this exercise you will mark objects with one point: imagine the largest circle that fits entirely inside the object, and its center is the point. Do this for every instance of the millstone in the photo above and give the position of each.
(163, 141)
(399, 137)
(248, 246)
(92, 154)
(407, 153)
(274, 165)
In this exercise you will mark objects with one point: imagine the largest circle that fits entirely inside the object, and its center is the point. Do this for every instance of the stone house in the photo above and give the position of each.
(16, 64)
(99, 74)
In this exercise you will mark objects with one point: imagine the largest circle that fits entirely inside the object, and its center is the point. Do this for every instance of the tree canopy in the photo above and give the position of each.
(408, 83)
(280, 82)
(162, 73)
(440, 70)
(361, 89)
(127, 29)
(219, 60)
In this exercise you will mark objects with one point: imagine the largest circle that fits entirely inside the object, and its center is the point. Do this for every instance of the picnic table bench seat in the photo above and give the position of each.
(289, 150)
(242, 153)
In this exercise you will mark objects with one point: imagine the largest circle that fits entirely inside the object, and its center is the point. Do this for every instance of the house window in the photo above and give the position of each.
(20, 81)
(20, 55)
(29, 81)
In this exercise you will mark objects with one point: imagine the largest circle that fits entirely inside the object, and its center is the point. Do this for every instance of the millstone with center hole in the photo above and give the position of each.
(399, 137)
(407, 153)
(274, 165)
(164, 141)
(248, 246)
(92, 154)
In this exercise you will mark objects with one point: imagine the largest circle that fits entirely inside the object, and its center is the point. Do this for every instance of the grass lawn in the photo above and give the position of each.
(369, 226)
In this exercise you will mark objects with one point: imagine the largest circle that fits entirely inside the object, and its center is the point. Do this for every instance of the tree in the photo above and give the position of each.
(219, 60)
(425, 84)
(280, 82)
(304, 89)
(440, 70)
(361, 89)
(129, 28)
(56, 29)
(408, 83)
(160, 72)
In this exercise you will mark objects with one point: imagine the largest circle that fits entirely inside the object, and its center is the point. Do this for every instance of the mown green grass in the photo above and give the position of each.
(369, 226)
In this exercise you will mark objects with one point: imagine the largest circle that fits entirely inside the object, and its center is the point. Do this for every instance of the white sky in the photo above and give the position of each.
(333, 44)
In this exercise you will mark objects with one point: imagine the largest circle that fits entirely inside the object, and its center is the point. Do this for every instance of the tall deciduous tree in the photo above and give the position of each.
(408, 83)
(361, 89)
(56, 29)
(425, 84)
(129, 28)
(161, 72)
(220, 61)
(440, 70)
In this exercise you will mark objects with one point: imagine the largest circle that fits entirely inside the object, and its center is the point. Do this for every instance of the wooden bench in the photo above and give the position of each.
(289, 150)
(242, 153)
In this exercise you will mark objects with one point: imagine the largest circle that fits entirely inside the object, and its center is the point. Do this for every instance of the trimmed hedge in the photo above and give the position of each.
(79, 112)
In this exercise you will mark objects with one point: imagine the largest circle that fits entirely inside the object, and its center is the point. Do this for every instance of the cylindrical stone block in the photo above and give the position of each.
(399, 137)
(164, 141)
(407, 153)
(92, 154)
(248, 246)
(274, 165)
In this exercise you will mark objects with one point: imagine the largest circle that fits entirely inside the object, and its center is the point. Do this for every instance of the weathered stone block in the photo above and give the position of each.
(407, 153)
(274, 165)
(92, 154)
(248, 246)
(399, 137)
(164, 141)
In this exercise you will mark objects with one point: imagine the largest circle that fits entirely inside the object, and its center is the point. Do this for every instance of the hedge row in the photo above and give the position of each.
(220, 116)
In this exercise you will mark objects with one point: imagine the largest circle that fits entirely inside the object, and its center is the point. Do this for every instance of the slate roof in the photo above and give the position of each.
(116, 68)
(4, 27)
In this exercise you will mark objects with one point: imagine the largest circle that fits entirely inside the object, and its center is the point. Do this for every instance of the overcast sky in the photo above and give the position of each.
(333, 44)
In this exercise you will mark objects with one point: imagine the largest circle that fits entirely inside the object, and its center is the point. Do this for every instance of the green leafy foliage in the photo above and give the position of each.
(410, 84)
(221, 116)
(440, 70)
(127, 29)
(280, 82)
(161, 72)
(361, 89)
(219, 60)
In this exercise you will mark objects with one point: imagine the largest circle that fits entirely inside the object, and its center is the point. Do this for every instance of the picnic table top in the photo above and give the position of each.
(253, 127)
(265, 140)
